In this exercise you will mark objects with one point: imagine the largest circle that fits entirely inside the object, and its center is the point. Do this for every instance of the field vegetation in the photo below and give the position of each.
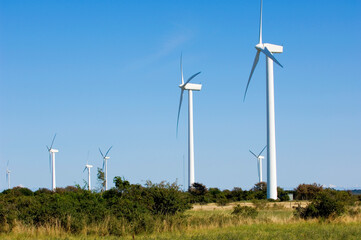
(164, 211)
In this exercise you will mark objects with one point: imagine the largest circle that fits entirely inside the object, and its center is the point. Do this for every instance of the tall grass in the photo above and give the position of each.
(277, 223)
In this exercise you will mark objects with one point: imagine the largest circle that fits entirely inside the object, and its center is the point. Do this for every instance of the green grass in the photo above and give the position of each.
(219, 223)
(301, 230)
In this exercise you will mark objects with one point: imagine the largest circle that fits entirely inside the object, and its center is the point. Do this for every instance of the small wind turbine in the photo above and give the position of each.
(190, 87)
(268, 49)
(52, 152)
(8, 174)
(259, 163)
(105, 158)
(88, 166)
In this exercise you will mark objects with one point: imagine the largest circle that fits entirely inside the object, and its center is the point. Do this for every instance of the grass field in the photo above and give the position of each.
(213, 222)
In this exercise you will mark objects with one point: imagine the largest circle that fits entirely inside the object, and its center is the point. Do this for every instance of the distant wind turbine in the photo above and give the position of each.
(105, 158)
(8, 174)
(52, 152)
(259, 163)
(268, 49)
(88, 166)
(190, 87)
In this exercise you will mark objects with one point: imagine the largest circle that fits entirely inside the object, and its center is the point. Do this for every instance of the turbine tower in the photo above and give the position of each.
(105, 169)
(259, 163)
(87, 166)
(268, 49)
(190, 87)
(8, 174)
(52, 152)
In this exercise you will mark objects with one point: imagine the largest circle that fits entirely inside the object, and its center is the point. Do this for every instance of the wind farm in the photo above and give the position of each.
(204, 148)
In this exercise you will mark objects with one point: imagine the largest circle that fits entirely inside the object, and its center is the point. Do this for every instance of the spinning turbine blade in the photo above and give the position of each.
(51, 146)
(270, 55)
(260, 26)
(253, 68)
(253, 153)
(103, 164)
(262, 151)
(84, 169)
(47, 148)
(106, 154)
(101, 153)
(179, 108)
(193, 76)
(181, 68)
(49, 162)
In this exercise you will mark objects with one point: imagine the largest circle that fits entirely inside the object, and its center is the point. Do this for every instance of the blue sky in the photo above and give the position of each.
(102, 73)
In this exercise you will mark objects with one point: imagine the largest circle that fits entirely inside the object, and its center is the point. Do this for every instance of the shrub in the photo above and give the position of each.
(246, 212)
(307, 191)
(326, 204)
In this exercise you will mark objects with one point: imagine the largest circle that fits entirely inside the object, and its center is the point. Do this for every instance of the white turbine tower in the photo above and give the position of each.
(52, 152)
(88, 166)
(8, 174)
(259, 163)
(105, 169)
(268, 49)
(190, 87)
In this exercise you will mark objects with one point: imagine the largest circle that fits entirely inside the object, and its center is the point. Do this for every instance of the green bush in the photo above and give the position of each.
(245, 212)
(326, 204)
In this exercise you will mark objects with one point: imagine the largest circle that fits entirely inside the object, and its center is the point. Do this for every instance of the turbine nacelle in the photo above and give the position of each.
(260, 157)
(191, 86)
(106, 158)
(88, 166)
(53, 150)
(271, 47)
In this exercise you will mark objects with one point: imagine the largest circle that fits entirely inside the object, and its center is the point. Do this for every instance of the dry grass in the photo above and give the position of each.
(202, 222)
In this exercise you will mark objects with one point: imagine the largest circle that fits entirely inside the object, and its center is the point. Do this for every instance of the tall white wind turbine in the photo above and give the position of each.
(105, 169)
(8, 174)
(52, 152)
(88, 166)
(190, 87)
(259, 163)
(268, 49)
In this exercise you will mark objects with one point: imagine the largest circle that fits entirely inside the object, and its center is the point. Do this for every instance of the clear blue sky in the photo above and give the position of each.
(102, 73)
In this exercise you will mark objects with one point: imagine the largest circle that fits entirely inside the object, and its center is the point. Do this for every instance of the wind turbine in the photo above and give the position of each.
(259, 163)
(52, 152)
(8, 174)
(268, 49)
(105, 158)
(190, 87)
(88, 166)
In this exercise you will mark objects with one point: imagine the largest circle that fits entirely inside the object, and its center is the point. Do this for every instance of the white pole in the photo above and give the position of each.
(89, 184)
(53, 163)
(271, 134)
(190, 139)
(9, 180)
(105, 175)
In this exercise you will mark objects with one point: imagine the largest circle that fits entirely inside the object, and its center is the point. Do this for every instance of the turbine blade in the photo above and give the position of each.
(103, 163)
(179, 108)
(106, 154)
(252, 70)
(181, 68)
(260, 25)
(193, 76)
(270, 55)
(51, 146)
(49, 162)
(253, 153)
(47, 148)
(262, 151)
(101, 153)
(84, 169)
